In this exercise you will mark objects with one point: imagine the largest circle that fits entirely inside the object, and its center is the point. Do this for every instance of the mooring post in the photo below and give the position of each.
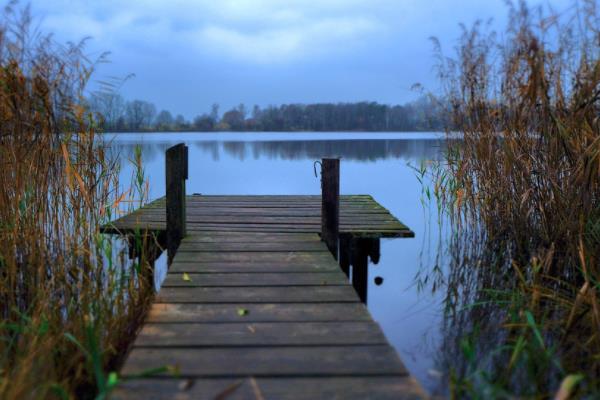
(330, 203)
(176, 165)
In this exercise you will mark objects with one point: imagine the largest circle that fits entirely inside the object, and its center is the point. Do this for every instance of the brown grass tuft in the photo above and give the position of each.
(69, 303)
(523, 191)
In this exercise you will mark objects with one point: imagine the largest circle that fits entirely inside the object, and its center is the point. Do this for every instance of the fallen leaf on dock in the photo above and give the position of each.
(186, 277)
(228, 390)
(242, 311)
(185, 385)
(257, 393)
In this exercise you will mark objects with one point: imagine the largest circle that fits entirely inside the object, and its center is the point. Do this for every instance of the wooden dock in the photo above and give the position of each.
(360, 216)
(255, 306)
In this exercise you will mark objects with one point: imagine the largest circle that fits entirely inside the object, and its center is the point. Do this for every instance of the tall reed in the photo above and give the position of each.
(522, 193)
(69, 301)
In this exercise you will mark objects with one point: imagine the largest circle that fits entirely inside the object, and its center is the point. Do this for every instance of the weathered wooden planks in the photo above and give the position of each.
(257, 294)
(254, 256)
(260, 334)
(347, 388)
(265, 312)
(252, 266)
(300, 246)
(240, 362)
(255, 306)
(254, 279)
(359, 215)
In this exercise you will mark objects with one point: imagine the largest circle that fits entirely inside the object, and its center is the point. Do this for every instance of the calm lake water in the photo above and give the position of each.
(378, 164)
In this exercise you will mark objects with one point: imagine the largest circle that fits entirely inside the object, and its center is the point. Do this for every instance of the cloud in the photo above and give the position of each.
(187, 54)
(254, 31)
(283, 44)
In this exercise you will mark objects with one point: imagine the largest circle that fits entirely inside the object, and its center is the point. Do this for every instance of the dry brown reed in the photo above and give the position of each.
(522, 189)
(69, 305)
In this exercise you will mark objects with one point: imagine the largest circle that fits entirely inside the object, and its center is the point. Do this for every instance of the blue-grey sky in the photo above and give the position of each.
(187, 54)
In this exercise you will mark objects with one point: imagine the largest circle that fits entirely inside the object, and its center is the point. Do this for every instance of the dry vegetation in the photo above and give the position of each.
(522, 192)
(69, 301)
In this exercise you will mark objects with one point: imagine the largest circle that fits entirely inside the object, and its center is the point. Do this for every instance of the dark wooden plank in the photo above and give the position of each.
(194, 246)
(347, 388)
(268, 312)
(388, 232)
(254, 279)
(268, 361)
(249, 256)
(281, 227)
(272, 197)
(260, 334)
(218, 237)
(266, 227)
(283, 207)
(269, 211)
(385, 231)
(279, 203)
(363, 219)
(268, 198)
(283, 204)
(257, 294)
(288, 267)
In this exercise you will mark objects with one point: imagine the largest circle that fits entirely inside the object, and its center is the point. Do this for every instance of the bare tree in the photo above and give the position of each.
(139, 114)
(164, 120)
(110, 106)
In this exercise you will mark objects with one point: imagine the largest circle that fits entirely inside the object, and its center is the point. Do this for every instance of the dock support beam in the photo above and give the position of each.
(344, 253)
(330, 203)
(356, 252)
(176, 165)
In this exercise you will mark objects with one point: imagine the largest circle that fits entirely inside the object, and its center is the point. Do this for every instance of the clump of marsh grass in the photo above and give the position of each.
(522, 193)
(70, 303)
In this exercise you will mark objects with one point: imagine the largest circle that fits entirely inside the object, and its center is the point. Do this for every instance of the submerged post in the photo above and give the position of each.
(330, 203)
(176, 165)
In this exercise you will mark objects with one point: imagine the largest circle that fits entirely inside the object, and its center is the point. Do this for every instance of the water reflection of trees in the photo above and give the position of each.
(356, 150)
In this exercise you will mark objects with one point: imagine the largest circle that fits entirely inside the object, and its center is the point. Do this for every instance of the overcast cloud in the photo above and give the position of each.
(188, 54)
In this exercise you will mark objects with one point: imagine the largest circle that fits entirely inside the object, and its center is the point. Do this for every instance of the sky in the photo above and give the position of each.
(185, 55)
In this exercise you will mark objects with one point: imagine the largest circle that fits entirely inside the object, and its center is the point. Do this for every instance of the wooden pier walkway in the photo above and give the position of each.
(255, 306)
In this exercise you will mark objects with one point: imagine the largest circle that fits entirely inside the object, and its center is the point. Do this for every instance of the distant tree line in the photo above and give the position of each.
(114, 114)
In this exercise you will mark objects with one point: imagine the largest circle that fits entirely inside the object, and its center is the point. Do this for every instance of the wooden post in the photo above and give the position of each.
(374, 250)
(330, 203)
(176, 165)
(360, 267)
(344, 253)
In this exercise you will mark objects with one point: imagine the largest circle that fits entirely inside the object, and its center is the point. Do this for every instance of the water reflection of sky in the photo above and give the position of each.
(282, 163)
